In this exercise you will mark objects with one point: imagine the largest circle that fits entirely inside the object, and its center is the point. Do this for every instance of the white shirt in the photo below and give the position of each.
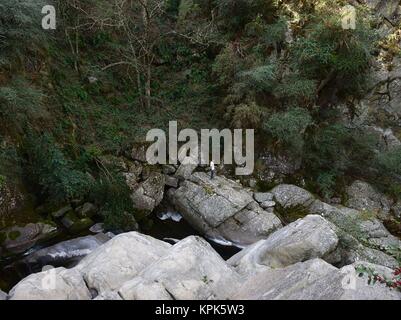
(212, 165)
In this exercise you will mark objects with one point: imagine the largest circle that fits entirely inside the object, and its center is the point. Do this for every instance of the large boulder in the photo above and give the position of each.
(120, 260)
(222, 208)
(362, 196)
(262, 197)
(290, 196)
(146, 195)
(362, 236)
(191, 270)
(311, 237)
(3, 296)
(52, 284)
(389, 9)
(313, 280)
(19, 239)
(66, 253)
(382, 106)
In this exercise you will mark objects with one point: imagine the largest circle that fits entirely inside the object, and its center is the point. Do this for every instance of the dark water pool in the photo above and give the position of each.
(168, 230)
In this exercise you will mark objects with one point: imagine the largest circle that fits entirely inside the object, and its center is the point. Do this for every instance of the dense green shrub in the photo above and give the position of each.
(53, 174)
(112, 195)
(272, 34)
(289, 127)
(245, 115)
(234, 15)
(329, 53)
(390, 162)
(261, 78)
(20, 104)
(334, 151)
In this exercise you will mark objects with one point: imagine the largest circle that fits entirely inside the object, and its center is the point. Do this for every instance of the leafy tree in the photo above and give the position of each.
(289, 127)
(334, 151)
(331, 55)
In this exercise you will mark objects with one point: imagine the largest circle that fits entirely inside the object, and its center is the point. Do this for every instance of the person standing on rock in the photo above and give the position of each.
(212, 170)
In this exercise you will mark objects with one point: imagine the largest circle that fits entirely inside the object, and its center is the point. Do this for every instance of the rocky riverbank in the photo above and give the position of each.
(295, 247)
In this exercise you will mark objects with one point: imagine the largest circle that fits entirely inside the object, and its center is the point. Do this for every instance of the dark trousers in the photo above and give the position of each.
(212, 173)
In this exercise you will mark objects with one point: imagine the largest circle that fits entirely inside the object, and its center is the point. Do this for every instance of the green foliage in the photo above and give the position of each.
(245, 115)
(268, 34)
(327, 52)
(2, 181)
(20, 28)
(10, 162)
(326, 183)
(208, 58)
(234, 15)
(13, 235)
(289, 127)
(53, 174)
(373, 276)
(261, 78)
(227, 65)
(112, 195)
(389, 162)
(333, 150)
(20, 104)
(295, 90)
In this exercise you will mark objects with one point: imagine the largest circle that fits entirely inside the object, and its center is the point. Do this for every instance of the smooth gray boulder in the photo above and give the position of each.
(268, 204)
(290, 196)
(305, 239)
(222, 208)
(19, 239)
(191, 270)
(120, 260)
(313, 280)
(263, 196)
(362, 196)
(3, 296)
(52, 284)
(65, 253)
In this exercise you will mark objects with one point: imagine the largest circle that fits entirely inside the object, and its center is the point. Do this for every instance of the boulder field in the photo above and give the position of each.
(330, 252)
